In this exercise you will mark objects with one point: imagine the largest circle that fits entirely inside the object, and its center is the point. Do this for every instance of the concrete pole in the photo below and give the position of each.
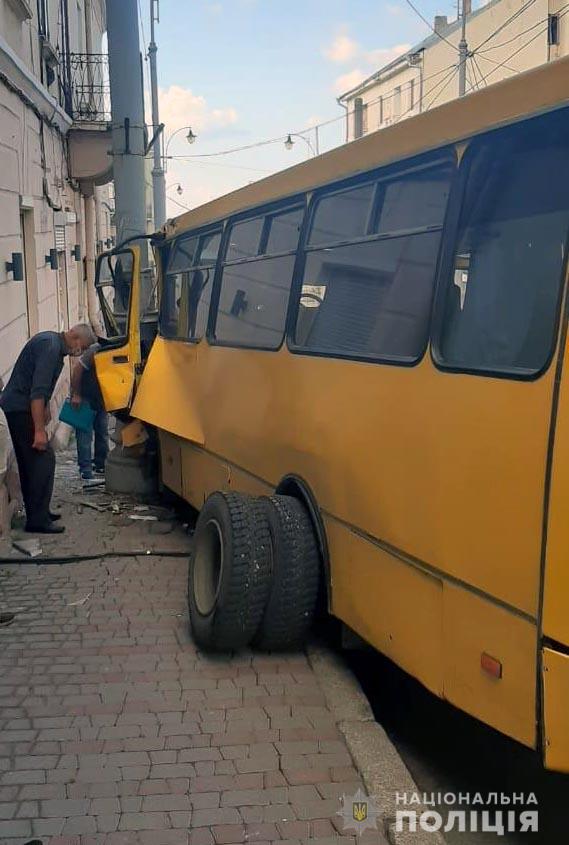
(158, 178)
(462, 53)
(127, 113)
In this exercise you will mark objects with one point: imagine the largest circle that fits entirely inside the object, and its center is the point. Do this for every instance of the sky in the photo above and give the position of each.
(244, 71)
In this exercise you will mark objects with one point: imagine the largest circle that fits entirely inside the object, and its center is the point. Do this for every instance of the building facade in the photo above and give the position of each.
(504, 37)
(55, 211)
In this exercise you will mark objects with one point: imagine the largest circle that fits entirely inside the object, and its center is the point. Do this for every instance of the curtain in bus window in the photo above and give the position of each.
(253, 302)
(502, 298)
(369, 299)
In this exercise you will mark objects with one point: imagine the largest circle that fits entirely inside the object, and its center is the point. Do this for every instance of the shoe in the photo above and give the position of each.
(87, 476)
(54, 516)
(99, 470)
(45, 529)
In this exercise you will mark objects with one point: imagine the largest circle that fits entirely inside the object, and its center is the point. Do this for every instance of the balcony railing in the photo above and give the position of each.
(88, 94)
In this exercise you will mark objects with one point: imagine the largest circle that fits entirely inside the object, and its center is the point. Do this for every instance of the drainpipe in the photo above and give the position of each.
(90, 261)
(345, 107)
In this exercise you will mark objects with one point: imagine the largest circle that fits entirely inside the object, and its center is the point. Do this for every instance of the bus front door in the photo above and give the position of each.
(117, 364)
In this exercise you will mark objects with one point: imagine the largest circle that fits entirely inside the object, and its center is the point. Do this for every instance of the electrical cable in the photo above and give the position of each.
(282, 137)
(523, 46)
(506, 23)
(61, 559)
(431, 27)
(449, 80)
(477, 66)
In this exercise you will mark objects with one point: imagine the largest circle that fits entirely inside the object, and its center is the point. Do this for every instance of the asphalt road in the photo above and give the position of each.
(446, 750)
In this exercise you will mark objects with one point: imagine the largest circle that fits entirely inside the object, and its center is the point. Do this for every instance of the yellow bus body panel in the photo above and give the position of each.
(556, 711)
(425, 461)
(400, 593)
(473, 626)
(167, 392)
(556, 585)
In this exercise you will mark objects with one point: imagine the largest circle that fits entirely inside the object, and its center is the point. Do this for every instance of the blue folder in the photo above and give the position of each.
(82, 417)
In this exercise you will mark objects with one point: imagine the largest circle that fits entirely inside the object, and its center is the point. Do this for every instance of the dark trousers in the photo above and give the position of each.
(37, 469)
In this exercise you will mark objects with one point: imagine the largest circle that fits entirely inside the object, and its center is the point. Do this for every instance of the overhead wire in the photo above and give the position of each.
(431, 27)
(448, 79)
(523, 46)
(506, 23)
(305, 130)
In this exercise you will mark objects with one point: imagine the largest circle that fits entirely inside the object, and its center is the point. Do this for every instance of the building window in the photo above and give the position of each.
(397, 103)
(503, 286)
(358, 117)
(412, 95)
(553, 30)
(380, 109)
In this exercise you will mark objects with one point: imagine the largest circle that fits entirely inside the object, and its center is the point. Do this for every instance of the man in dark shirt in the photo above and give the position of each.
(85, 388)
(25, 402)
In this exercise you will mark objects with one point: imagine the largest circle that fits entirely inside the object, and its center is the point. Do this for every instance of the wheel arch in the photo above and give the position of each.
(294, 485)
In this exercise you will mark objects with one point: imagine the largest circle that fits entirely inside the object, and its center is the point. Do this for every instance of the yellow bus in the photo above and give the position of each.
(379, 335)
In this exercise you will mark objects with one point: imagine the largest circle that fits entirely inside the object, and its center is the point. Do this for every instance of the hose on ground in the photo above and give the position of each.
(100, 556)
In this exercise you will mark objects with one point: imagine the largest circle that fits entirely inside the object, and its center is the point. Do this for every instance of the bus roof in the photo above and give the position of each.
(535, 91)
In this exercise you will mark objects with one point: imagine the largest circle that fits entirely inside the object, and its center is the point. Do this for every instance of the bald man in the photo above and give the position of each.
(25, 402)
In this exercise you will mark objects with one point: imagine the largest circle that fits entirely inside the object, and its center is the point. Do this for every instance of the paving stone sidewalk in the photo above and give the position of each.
(116, 730)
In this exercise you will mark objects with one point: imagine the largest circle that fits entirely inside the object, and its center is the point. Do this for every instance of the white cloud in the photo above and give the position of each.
(349, 80)
(181, 107)
(342, 49)
(394, 9)
(313, 120)
(384, 55)
(214, 9)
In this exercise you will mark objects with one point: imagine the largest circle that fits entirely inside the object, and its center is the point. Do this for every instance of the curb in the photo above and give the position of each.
(383, 771)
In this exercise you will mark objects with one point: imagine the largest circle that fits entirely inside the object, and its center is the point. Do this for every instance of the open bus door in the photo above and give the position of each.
(117, 365)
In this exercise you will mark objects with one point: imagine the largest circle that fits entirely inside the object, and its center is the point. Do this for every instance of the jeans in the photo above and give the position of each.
(85, 444)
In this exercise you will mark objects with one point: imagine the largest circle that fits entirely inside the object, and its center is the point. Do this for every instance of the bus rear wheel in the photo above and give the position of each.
(229, 571)
(295, 573)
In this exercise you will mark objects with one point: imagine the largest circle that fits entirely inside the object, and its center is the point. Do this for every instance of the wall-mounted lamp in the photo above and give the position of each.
(76, 252)
(52, 259)
(16, 266)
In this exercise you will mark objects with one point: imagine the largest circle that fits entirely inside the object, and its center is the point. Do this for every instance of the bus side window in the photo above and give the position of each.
(187, 287)
(254, 292)
(371, 298)
(502, 300)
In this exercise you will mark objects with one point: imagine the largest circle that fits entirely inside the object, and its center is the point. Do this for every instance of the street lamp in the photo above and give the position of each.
(179, 189)
(190, 137)
(289, 143)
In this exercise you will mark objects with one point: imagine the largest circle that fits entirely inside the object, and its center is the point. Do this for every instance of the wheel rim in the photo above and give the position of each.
(208, 567)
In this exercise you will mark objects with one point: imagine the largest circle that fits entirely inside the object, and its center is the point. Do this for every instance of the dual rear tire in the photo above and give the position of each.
(253, 574)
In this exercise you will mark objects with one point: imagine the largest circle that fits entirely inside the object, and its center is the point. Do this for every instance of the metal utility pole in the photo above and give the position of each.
(463, 51)
(127, 112)
(158, 178)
